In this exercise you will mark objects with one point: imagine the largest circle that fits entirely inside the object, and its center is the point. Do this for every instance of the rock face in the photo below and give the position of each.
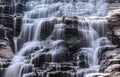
(6, 53)
(5, 49)
(110, 63)
(114, 26)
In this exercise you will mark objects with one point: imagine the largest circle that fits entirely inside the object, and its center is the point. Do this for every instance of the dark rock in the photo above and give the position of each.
(2, 32)
(6, 1)
(49, 57)
(2, 72)
(73, 39)
(8, 9)
(81, 59)
(70, 20)
(71, 32)
(113, 1)
(65, 66)
(6, 20)
(47, 28)
(39, 60)
(19, 7)
(58, 53)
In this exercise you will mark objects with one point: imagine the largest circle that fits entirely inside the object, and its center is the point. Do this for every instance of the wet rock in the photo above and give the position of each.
(2, 32)
(39, 59)
(112, 1)
(111, 64)
(6, 52)
(47, 28)
(113, 68)
(113, 25)
(98, 75)
(71, 32)
(70, 20)
(108, 63)
(30, 75)
(6, 20)
(6, 1)
(19, 7)
(63, 66)
(51, 56)
(58, 53)
(55, 74)
(7, 9)
(73, 39)
(2, 72)
(63, 74)
(105, 52)
(116, 74)
(81, 59)
(26, 68)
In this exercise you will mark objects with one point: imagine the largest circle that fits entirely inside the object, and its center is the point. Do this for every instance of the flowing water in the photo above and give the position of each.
(49, 35)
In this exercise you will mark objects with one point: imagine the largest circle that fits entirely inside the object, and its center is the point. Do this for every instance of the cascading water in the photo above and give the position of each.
(49, 36)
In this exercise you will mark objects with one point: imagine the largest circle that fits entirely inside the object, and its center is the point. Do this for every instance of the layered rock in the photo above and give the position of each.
(113, 19)
(110, 61)
(6, 52)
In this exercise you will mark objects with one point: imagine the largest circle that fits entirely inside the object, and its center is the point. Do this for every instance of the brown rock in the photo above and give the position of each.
(117, 74)
(114, 23)
(98, 75)
(116, 31)
(6, 52)
(113, 68)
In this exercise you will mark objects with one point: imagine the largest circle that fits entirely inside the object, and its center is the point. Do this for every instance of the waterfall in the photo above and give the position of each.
(52, 35)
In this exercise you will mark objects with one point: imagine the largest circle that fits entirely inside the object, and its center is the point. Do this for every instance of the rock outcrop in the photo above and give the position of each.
(110, 56)
(6, 52)
(114, 26)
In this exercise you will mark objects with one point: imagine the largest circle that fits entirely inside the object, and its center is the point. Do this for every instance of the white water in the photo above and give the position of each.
(30, 45)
